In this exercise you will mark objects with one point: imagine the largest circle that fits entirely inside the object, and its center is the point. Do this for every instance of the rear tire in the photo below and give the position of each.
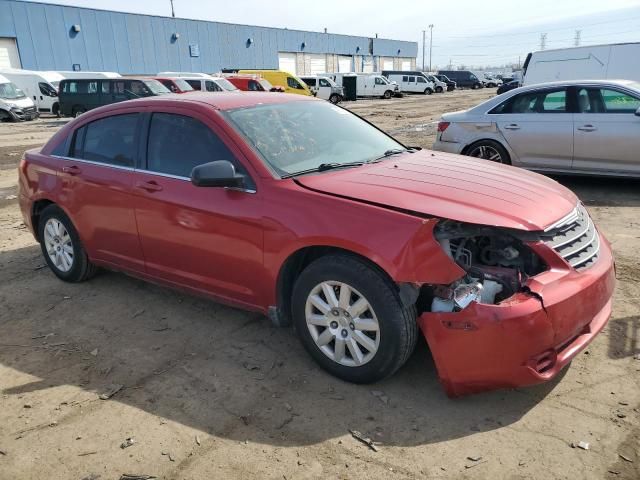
(362, 335)
(62, 248)
(77, 111)
(489, 150)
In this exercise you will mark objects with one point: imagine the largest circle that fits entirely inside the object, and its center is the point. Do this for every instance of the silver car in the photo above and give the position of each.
(582, 127)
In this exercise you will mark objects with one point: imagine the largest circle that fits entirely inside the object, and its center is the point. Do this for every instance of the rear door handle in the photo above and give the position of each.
(149, 186)
(513, 126)
(587, 128)
(72, 170)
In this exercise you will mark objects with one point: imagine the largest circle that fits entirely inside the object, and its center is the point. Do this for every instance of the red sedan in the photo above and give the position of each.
(298, 209)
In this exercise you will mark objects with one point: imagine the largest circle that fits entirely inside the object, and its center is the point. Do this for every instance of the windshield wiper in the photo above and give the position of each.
(323, 167)
(388, 153)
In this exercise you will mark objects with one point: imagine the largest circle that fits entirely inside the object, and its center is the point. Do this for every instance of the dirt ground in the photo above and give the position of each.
(212, 392)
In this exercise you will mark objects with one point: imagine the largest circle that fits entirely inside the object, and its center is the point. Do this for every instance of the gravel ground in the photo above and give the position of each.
(213, 392)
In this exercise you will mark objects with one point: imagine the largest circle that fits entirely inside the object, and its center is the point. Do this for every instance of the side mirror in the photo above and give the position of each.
(638, 112)
(220, 173)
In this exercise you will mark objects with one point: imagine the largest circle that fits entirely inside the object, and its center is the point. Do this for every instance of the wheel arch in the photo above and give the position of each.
(36, 210)
(503, 144)
(297, 261)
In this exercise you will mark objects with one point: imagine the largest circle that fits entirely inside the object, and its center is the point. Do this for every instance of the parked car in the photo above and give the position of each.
(357, 240)
(290, 82)
(463, 78)
(588, 127)
(253, 83)
(508, 86)
(451, 85)
(85, 74)
(595, 62)
(440, 86)
(491, 82)
(14, 104)
(175, 84)
(410, 82)
(41, 87)
(210, 84)
(80, 96)
(324, 88)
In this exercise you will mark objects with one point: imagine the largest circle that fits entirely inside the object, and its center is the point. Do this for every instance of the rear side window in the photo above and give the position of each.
(110, 140)
(178, 143)
(618, 102)
(546, 101)
(212, 86)
(405, 78)
(412, 79)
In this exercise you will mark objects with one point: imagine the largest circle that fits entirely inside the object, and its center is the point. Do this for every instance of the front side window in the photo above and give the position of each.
(421, 80)
(195, 84)
(110, 140)
(178, 143)
(293, 83)
(139, 89)
(379, 81)
(546, 101)
(289, 140)
(212, 86)
(619, 102)
(48, 90)
(324, 82)
(8, 91)
(254, 86)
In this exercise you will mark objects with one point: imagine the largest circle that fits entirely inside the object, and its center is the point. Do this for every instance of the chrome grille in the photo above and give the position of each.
(575, 238)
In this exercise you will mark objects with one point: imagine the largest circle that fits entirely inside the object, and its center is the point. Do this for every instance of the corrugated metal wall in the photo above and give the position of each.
(131, 43)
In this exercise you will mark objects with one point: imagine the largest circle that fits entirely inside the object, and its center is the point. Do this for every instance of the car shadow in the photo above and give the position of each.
(603, 192)
(624, 337)
(220, 370)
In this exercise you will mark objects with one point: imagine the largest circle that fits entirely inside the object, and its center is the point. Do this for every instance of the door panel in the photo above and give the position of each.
(607, 132)
(209, 239)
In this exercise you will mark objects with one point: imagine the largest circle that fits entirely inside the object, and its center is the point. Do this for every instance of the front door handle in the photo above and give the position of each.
(587, 128)
(513, 126)
(72, 170)
(149, 186)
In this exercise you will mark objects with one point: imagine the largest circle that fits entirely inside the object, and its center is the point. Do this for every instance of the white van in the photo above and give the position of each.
(14, 104)
(324, 88)
(439, 85)
(82, 75)
(617, 61)
(203, 82)
(41, 87)
(367, 84)
(411, 82)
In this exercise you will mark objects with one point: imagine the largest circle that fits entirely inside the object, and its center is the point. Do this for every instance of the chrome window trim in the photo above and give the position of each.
(91, 162)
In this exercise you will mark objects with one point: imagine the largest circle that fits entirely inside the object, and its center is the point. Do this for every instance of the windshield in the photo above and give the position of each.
(9, 91)
(55, 83)
(226, 84)
(182, 85)
(156, 87)
(265, 84)
(299, 136)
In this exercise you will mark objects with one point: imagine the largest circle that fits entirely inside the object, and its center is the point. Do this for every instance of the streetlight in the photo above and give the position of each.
(173, 13)
(430, 45)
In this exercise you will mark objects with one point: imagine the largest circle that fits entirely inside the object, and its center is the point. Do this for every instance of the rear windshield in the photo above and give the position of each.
(182, 85)
(9, 91)
(156, 87)
(265, 84)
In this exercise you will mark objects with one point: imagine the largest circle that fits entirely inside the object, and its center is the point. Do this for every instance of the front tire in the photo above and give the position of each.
(387, 94)
(335, 98)
(351, 320)
(439, 90)
(62, 248)
(428, 91)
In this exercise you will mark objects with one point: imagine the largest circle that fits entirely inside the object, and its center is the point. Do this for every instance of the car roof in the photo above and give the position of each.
(570, 83)
(218, 100)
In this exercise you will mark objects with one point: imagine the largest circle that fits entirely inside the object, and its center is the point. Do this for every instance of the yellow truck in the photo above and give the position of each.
(288, 81)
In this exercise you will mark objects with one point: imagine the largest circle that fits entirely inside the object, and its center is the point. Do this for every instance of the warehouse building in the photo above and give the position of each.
(39, 36)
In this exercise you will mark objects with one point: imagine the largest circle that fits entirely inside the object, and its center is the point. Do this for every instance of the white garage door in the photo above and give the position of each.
(387, 64)
(344, 64)
(9, 57)
(367, 65)
(406, 65)
(315, 64)
(287, 62)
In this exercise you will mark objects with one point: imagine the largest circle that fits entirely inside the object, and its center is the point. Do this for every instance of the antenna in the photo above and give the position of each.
(543, 41)
(576, 40)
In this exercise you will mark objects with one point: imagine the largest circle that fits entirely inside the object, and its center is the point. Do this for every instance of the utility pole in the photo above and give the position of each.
(576, 41)
(543, 41)
(173, 13)
(430, 45)
(424, 35)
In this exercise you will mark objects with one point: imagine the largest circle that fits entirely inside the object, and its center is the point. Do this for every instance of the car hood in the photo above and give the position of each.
(453, 187)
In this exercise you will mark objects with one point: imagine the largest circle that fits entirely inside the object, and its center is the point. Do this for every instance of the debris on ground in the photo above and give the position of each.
(467, 467)
(288, 406)
(380, 396)
(127, 442)
(133, 476)
(474, 459)
(625, 458)
(94, 352)
(361, 438)
(86, 454)
(251, 366)
(3, 453)
(27, 405)
(581, 444)
(111, 391)
(43, 336)
(10, 197)
(169, 456)
(91, 476)
(614, 472)
(138, 313)
(198, 440)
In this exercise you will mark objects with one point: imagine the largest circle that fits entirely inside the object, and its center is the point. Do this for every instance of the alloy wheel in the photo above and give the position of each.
(342, 323)
(58, 245)
(487, 152)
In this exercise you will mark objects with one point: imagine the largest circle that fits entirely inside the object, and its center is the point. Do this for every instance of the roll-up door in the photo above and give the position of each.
(9, 57)
(344, 64)
(287, 62)
(316, 64)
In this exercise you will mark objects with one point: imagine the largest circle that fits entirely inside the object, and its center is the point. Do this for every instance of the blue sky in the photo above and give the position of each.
(466, 32)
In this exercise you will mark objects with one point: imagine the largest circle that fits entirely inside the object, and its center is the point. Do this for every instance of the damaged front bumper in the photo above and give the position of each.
(527, 338)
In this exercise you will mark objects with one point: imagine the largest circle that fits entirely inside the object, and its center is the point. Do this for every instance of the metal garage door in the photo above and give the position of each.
(315, 64)
(9, 57)
(405, 65)
(344, 64)
(387, 64)
(287, 62)
(367, 65)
